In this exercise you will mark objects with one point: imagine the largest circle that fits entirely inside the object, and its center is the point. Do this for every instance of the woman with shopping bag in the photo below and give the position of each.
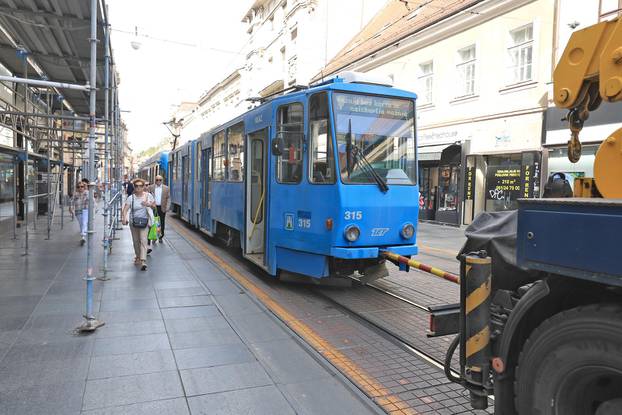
(140, 220)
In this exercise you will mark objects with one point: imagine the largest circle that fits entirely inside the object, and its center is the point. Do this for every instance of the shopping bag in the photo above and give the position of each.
(153, 231)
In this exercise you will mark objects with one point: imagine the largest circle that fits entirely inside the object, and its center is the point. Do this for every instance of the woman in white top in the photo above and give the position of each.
(139, 204)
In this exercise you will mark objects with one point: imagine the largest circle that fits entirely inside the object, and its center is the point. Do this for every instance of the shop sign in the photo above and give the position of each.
(469, 183)
(530, 180)
(503, 183)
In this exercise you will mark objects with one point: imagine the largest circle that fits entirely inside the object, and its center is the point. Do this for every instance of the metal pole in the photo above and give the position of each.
(107, 218)
(15, 202)
(91, 324)
(36, 82)
(25, 201)
(119, 146)
(62, 172)
(49, 173)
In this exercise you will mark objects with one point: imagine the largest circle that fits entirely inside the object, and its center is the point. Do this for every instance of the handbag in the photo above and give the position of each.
(138, 222)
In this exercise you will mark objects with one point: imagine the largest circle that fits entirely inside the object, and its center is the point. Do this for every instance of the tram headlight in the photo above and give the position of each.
(408, 231)
(351, 233)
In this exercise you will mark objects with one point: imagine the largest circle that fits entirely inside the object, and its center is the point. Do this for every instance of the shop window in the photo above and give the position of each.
(219, 156)
(466, 71)
(558, 163)
(426, 82)
(7, 177)
(235, 160)
(503, 182)
(290, 128)
(322, 164)
(448, 188)
(520, 53)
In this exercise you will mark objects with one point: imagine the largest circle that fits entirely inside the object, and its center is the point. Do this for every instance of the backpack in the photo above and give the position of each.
(557, 186)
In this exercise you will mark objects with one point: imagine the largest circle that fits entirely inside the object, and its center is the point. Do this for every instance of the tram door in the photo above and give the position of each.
(256, 196)
(185, 168)
(205, 189)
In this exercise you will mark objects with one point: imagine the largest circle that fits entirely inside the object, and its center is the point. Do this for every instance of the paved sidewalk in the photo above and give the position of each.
(180, 338)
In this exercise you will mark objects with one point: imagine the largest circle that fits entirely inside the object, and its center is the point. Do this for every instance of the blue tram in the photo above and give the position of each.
(153, 166)
(315, 182)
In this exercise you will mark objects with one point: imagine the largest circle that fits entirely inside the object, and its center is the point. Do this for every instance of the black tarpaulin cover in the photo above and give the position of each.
(495, 232)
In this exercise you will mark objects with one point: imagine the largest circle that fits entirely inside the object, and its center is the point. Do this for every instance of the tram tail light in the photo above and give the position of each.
(329, 224)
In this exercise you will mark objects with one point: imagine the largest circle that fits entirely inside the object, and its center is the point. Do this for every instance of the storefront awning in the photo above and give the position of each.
(431, 153)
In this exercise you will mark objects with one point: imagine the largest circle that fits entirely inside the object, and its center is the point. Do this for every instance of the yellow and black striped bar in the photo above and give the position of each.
(477, 286)
(421, 266)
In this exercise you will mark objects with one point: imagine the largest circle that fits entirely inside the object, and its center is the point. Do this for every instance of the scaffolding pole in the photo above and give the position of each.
(50, 84)
(107, 217)
(62, 171)
(49, 174)
(25, 142)
(91, 323)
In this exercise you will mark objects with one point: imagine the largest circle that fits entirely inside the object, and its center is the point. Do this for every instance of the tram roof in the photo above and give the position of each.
(56, 36)
(335, 84)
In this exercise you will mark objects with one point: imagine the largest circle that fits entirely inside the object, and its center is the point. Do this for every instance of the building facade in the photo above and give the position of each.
(288, 42)
(482, 71)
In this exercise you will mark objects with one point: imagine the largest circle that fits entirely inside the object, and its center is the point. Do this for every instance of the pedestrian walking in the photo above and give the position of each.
(139, 205)
(128, 186)
(161, 195)
(80, 208)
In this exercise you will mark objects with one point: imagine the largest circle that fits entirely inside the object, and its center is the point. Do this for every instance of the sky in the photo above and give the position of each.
(160, 74)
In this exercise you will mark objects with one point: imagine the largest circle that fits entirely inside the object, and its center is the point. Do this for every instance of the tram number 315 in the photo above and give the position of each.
(353, 215)
(304, 223)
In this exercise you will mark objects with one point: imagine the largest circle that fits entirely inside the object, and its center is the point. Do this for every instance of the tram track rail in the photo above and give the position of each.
(397, 338)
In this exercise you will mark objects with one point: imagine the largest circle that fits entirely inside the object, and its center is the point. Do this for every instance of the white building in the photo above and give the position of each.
(288, 42)
(220, 103)
(482, 71)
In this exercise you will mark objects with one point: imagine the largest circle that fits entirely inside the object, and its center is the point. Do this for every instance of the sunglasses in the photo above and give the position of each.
(158, 180)
(138, 185)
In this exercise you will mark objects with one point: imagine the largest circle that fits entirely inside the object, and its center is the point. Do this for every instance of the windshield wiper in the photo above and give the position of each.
(352, 149)
(359, 156)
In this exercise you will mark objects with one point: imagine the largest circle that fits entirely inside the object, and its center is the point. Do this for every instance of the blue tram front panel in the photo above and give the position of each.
(350, 190)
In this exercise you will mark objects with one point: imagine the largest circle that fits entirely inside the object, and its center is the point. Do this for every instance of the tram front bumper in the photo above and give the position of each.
(372, 252)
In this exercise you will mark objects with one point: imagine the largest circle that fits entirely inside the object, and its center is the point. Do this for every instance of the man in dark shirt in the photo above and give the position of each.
(128, 186)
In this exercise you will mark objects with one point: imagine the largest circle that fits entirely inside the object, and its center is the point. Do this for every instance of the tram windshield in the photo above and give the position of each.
(375, 139)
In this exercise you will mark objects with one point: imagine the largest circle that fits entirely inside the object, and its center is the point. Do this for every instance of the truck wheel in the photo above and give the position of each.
(572, 363)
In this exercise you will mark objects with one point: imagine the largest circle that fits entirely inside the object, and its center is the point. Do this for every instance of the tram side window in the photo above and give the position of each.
(290, 128)
(322, 164)
(235, 140)
(219, 150)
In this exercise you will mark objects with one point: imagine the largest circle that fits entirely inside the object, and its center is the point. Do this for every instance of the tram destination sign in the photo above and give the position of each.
(365, 105)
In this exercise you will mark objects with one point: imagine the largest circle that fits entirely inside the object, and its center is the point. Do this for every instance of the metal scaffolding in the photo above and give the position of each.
(48, 125)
